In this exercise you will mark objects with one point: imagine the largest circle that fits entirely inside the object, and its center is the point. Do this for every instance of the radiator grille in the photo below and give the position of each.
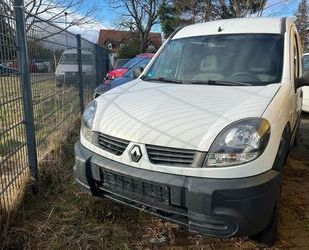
(170, 156)
(112, 144)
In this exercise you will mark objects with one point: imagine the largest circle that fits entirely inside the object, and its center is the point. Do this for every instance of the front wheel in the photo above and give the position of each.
(269, 235)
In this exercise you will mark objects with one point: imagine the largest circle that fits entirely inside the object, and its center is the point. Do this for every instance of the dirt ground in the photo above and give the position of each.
(61, 216)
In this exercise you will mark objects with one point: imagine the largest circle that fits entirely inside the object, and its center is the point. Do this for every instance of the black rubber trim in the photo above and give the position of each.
(211, 206)
(283, 25)
(175, 31)
(295, 130)
(296, 125)
(215, 225)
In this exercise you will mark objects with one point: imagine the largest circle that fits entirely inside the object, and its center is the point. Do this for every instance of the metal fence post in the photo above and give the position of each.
(26, 90)
(106, 60)
(80, 72)
(97, 60)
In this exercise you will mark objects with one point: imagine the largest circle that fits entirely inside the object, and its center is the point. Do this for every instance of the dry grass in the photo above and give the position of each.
(60, 215)
(54, 110)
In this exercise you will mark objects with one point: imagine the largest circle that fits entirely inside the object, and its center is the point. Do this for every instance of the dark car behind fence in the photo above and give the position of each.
(48, 75)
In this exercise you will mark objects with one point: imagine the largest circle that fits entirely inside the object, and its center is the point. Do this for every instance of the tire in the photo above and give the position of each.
(296, 139)
(270, 234)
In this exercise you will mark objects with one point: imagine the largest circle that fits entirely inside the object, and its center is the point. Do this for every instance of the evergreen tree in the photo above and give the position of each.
(130, 49)
(182, 12)
(301, 22)
(169, 18)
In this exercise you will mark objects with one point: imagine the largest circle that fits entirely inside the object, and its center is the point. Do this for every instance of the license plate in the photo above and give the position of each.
(122, 185)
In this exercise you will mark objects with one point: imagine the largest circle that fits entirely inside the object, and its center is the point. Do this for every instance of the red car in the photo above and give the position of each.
(32, 66)
(116, 73)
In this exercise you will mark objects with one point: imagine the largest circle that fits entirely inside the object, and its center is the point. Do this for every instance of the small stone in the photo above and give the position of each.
(158, 240)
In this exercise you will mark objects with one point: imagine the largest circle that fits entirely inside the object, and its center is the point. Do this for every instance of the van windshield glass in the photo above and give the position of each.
(72, 59)
(247, 59)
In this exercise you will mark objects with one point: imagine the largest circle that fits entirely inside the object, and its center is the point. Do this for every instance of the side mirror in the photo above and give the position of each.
(303, 80)
(137, 72)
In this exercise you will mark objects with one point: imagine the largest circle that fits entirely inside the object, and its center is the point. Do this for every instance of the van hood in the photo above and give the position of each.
(61, 69)
(173, 115)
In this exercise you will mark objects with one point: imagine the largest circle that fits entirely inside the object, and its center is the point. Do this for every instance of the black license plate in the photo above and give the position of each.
(142, 190)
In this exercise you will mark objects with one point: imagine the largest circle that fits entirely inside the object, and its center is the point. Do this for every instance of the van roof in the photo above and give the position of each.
(234, 26)
(74, 51)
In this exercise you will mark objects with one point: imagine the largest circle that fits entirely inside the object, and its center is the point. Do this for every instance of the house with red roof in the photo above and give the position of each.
(113, 40)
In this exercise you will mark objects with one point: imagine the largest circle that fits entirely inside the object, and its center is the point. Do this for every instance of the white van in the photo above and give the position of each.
(202, 136)
(67, 68)
(306, 89)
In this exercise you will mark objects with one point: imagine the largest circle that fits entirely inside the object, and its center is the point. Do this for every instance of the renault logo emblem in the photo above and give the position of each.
(136, 153)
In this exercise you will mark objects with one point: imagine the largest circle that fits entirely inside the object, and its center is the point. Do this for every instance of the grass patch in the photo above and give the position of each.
(306, 224)
(54, 109)
(61, 216)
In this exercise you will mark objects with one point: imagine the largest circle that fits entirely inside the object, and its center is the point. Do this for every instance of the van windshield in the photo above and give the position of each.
(251, 59)
(72, 59)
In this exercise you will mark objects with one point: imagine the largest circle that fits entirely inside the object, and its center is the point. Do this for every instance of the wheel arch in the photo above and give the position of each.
(283, 149)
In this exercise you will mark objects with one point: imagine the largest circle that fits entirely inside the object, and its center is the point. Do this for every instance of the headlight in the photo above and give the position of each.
(87, 120)
(240, 142)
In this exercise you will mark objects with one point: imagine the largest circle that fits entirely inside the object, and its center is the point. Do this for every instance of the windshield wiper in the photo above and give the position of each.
(219, 82)
(161, 79)
(209, 82)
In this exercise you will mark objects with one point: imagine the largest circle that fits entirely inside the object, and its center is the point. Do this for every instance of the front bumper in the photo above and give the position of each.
(306, 105)
(214, 207)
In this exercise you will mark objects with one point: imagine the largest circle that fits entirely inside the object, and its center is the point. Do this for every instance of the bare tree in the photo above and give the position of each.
(7, 35)
(139, 16)
(56, 12)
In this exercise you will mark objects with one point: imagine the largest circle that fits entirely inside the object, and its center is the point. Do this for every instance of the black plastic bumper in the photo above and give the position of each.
(214, 207)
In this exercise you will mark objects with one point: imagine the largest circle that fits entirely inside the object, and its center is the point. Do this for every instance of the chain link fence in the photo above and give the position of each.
(47, 75)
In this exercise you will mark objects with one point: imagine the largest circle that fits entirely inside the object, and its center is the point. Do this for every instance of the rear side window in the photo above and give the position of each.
(72, 59)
